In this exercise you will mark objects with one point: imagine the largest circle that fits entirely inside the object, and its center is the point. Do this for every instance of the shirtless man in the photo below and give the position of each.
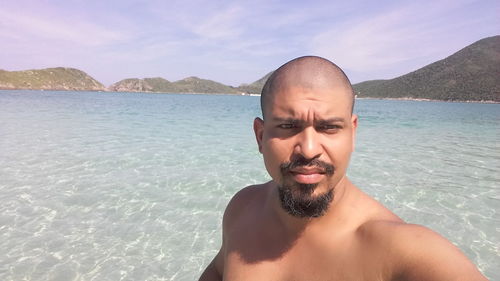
(310, 222)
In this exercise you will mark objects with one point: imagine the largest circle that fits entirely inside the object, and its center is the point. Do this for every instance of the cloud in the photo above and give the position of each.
(369, 44)
(396, 40)
(221, 25)
(33, 27)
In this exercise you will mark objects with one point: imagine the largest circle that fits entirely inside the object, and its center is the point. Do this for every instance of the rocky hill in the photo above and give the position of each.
(256, 87)
(471, 74)
(59, 78)
(197, 85)
(160, 85)
(142, 85)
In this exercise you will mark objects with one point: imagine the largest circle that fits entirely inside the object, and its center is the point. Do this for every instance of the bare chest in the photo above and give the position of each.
(257, 256)
(292, 269)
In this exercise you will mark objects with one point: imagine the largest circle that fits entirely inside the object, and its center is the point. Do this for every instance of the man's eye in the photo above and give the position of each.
(286, 126)
(329, 128)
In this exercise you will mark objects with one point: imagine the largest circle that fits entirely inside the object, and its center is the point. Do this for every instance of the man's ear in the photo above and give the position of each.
(354, 124)
(258, 128)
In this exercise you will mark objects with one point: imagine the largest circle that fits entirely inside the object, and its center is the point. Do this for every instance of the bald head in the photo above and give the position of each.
(308, 72)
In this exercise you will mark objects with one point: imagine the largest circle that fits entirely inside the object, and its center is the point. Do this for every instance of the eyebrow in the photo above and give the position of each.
(320, 121)
(287, 120)
(332, 120)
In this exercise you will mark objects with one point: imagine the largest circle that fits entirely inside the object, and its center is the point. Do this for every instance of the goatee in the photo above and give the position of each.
(296, 198)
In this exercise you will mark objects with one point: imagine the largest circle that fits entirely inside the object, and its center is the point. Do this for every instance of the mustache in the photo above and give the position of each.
(286, 167)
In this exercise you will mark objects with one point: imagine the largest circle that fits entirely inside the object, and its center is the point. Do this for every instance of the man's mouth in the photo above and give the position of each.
(307, 175)
(307, 171)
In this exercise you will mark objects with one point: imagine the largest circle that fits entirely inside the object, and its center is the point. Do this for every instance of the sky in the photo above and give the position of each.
(235, 42)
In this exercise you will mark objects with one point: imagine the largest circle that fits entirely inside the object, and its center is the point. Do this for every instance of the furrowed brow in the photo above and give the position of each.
(286, 120)
(332, 120)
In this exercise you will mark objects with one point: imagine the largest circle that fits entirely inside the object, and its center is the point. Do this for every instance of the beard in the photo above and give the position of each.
(297, 198)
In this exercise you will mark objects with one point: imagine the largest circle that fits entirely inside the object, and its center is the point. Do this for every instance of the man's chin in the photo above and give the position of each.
(300, 190)
(300, 201)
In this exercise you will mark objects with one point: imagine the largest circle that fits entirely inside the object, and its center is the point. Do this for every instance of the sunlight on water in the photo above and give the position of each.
(110, 186)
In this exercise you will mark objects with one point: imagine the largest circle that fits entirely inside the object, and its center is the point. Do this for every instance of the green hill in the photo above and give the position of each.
(256, 87)
(142, 85)
(59, 78)
(471, 74)
(197, 85)
(160, 85)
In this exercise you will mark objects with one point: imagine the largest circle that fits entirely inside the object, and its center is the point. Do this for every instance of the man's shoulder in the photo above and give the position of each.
(416, 252)
(247, 195)
(395, 233)
(243, 200)
(399, 233)
(379, 224)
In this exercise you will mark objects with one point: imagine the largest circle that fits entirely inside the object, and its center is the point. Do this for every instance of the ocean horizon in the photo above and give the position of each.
(132, 186)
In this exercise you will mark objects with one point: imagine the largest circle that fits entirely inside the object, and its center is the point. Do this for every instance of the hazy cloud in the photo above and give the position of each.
(35, 27)
(398, 39)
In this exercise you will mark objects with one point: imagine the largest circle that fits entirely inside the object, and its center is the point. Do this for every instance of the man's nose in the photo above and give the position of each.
(308, 143)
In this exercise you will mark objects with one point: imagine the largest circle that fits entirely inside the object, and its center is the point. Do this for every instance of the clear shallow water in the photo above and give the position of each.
(109, 186)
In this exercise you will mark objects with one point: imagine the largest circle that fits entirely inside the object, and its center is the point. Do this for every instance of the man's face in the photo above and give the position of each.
(306, 140)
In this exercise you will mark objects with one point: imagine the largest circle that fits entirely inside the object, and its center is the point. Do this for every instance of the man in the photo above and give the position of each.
(310, 222)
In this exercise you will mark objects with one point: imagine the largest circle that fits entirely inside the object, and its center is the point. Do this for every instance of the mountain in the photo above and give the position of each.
(197, 85)
(471, 74)
(59, 78)
(142, 85)
(255, 88)
(160, 85)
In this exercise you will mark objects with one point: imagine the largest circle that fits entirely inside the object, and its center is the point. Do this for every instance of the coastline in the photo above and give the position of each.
(125, 92)
(430, 100)
(252, 95)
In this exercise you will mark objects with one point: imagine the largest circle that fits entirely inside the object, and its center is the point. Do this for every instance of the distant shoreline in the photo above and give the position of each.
(127, 92)
(431, 100)
(255, 95)
(468, 75)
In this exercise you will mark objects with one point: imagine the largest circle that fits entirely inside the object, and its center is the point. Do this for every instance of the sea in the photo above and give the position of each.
(132, 186)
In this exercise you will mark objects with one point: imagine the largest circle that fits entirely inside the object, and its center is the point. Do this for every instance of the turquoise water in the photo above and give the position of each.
(122, 186)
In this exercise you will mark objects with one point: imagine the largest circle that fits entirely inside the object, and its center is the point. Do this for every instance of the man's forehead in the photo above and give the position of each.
(295, 101)
(311, 92)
